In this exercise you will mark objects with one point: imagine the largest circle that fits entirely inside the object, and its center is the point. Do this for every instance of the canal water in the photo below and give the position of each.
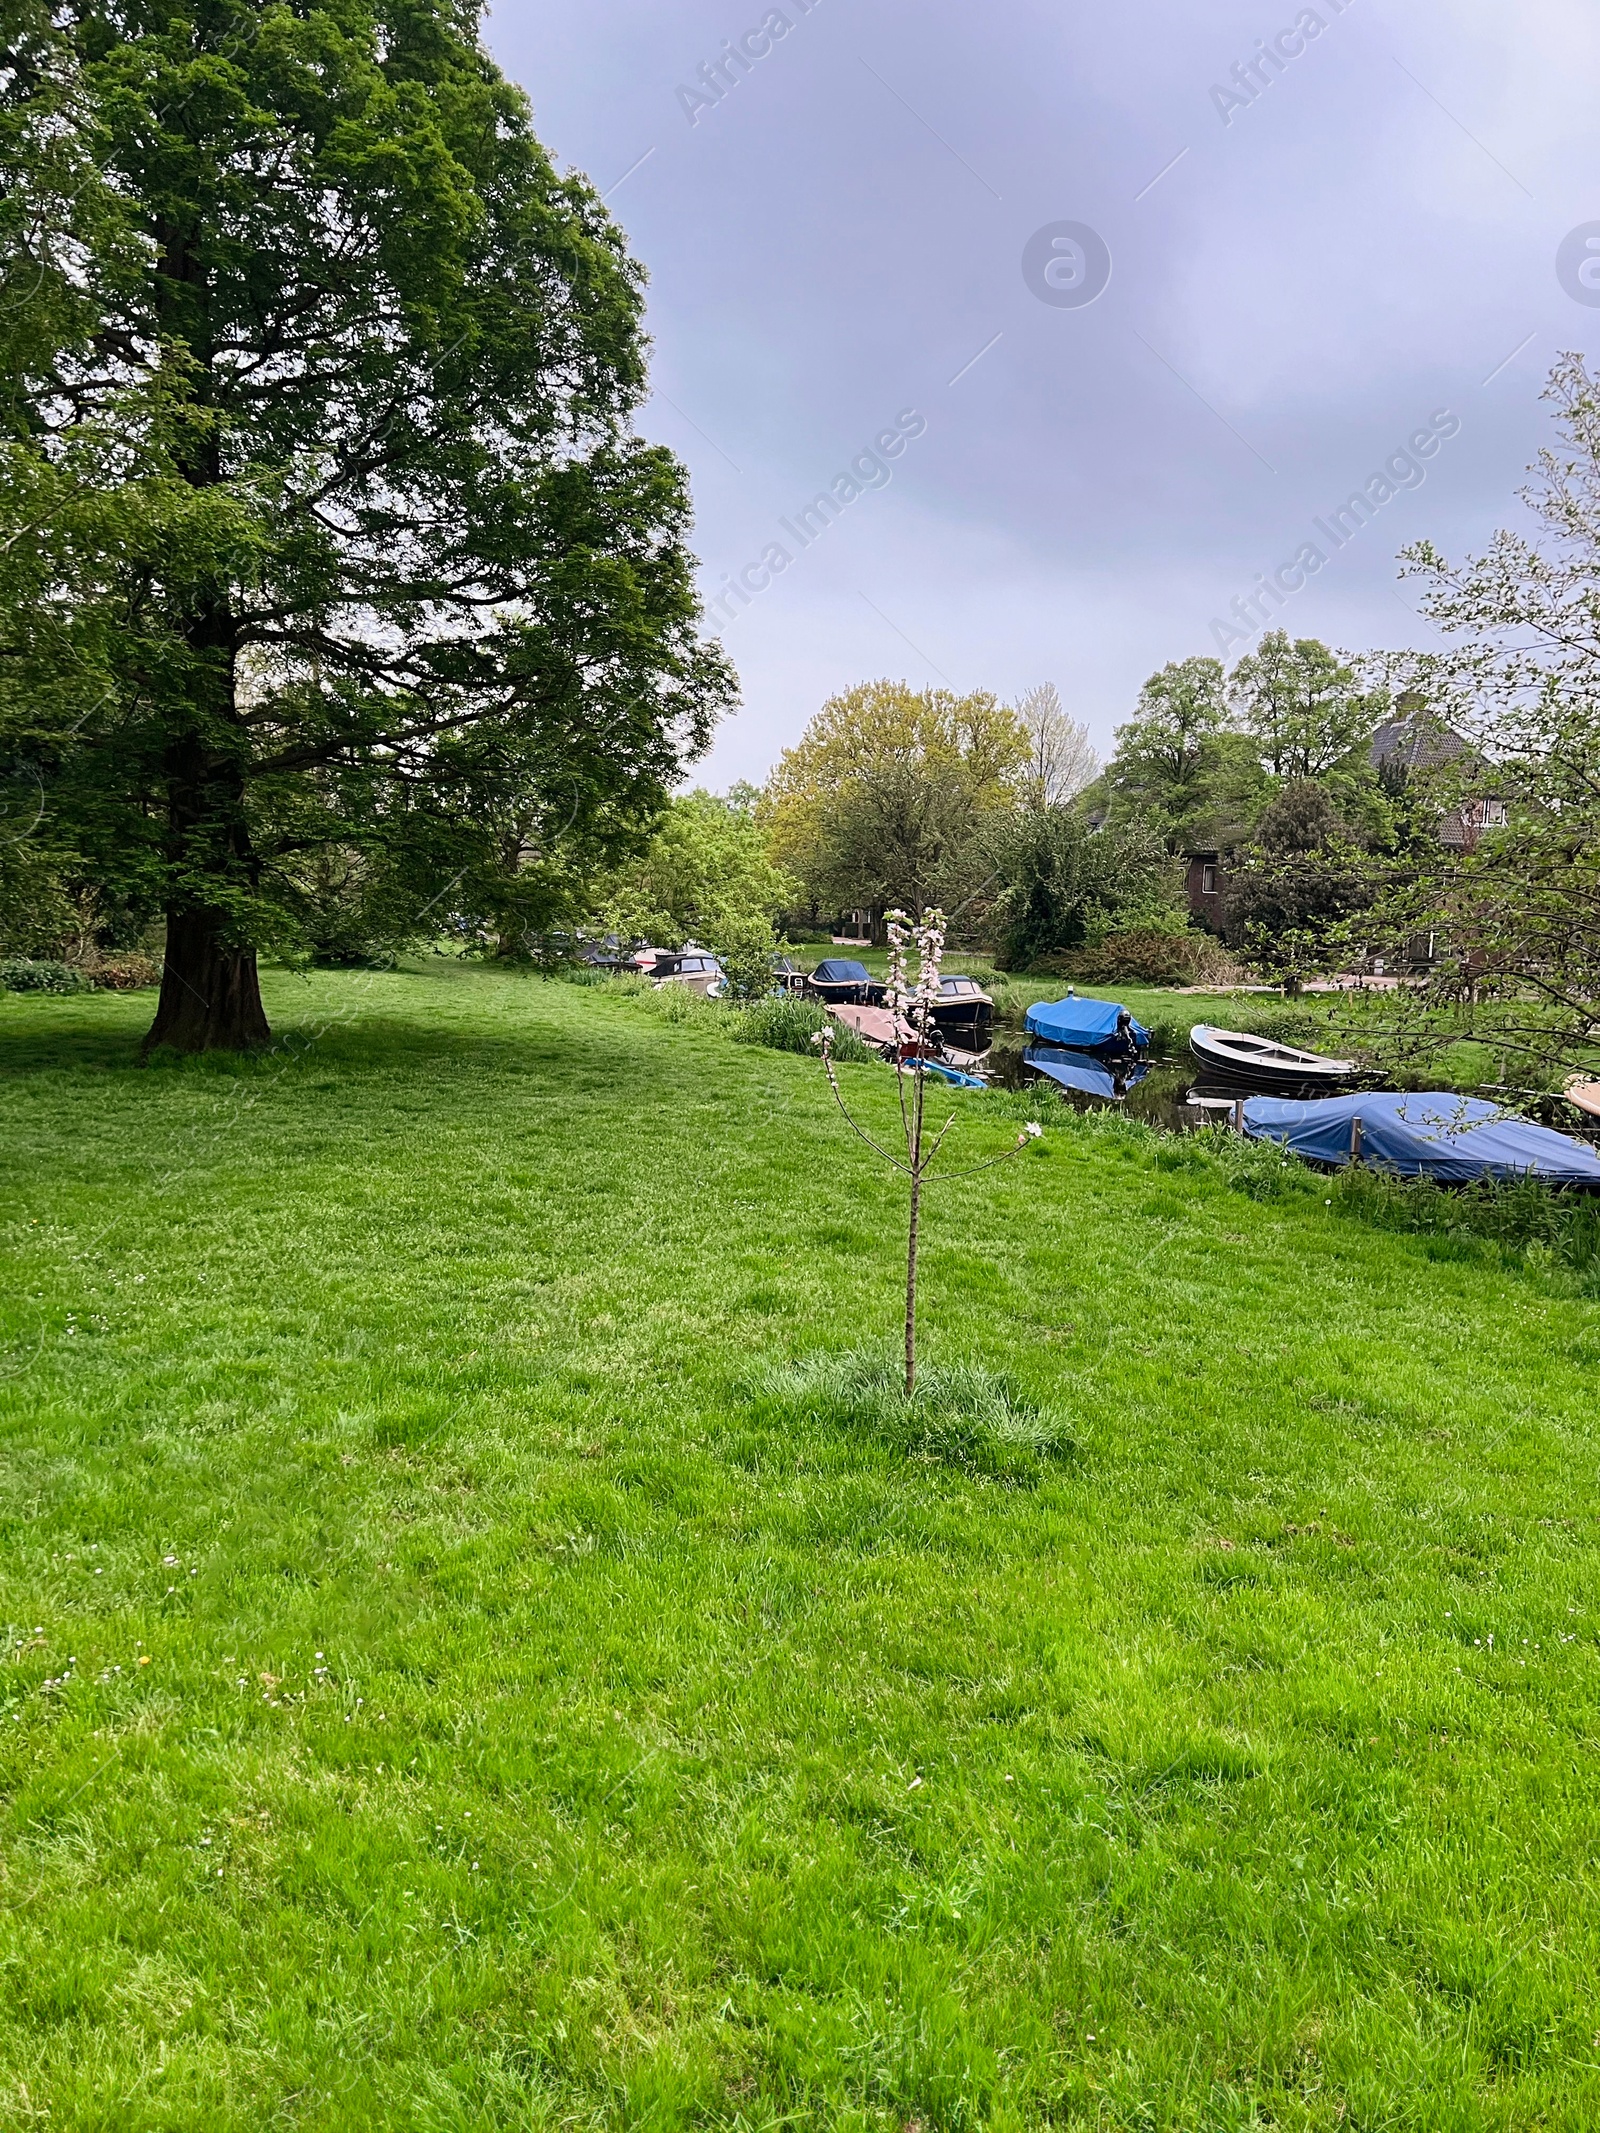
(1157, 1091)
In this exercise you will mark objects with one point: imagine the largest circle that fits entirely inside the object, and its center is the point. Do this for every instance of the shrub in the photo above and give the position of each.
(1149, 956)
(126, 973)
(22, 974)
(787, 1022)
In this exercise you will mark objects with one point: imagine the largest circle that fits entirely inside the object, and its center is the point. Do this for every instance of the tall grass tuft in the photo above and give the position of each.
(960, 1414)
(785, 1022)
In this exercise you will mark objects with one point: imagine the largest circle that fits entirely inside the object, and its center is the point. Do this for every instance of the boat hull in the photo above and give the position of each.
(1279, 1070)
(969, 1024)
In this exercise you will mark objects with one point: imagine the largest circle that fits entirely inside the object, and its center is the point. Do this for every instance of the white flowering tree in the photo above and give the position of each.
(912, 1007)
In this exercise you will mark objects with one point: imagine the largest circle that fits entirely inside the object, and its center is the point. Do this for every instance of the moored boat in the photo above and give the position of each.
(841, 982)
(1103, 1027)
(964, 1014)
(896, 1039)
(692, 967)
(1436, 1133)
(1260, 1063)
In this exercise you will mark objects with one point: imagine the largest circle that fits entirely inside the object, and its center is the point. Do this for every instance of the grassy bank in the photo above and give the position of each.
(447, 1687)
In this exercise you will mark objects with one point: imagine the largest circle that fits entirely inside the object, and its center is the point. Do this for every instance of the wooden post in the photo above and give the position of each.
(1355, 1138)
(1238, 1114)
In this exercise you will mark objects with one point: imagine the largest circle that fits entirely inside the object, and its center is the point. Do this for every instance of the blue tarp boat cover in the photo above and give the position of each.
(838, 970)
(1455, 1139)
(953, 1075)
(1087, 1025)
(1091, 1077)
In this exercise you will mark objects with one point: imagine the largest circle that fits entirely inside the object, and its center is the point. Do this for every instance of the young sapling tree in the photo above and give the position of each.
(912, 1007)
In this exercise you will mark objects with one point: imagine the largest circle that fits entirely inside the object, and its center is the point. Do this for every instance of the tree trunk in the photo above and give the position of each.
(210, 993)
(911, 1240)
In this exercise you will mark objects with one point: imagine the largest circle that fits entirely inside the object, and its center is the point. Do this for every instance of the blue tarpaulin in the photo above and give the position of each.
(953, 1075)
(1455, 1139)
(1090, 1077)
(1087, 1025)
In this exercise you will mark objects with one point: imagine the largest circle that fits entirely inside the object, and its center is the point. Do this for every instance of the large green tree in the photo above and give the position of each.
(1178, 767)
(323, 527)
(1512, 900)
(885, 798)
(706, 876)
(1304, 707)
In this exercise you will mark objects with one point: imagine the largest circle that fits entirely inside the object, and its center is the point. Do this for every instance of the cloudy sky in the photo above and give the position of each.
(1309, 265)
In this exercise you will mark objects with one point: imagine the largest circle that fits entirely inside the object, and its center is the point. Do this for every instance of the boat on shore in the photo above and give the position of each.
(1435, 1133)
(1584, 1093)
(1260, 1063)
(1101, 1027)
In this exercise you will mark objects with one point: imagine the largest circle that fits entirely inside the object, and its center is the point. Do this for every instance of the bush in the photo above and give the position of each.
(126, 973)
(787, 1022)
(21, 974)
(1149, 956)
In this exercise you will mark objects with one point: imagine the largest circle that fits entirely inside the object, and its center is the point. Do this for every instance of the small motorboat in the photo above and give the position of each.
(694, 968)
(1103, 1027)
(964, 1013)
(874, 1025)
(839, 982)
(1259, 1063)
(1584, 1093)
(1437, 1133)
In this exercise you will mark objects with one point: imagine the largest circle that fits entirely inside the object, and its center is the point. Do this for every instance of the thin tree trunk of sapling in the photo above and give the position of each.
(914, 1038)
(911, 1240)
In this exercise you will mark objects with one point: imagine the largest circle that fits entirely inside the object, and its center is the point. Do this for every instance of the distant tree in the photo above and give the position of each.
(1062, 761)
(1062, 882)
(323, 528)
(1303, 706)
(1178, 767)
(1294, 890)
(705, 876)
(884, 798)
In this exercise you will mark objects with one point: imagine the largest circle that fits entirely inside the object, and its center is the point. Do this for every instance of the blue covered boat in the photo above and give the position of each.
(1108, 1079)
(1437, 1134)
(1100, 1026)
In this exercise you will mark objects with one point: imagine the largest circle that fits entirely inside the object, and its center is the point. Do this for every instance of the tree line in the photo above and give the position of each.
(342, 606)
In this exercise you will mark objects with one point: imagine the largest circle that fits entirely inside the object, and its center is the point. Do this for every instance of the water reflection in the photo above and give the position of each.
(1169, 1093)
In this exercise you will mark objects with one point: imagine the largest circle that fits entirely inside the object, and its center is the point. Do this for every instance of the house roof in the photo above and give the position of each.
(1420, 742)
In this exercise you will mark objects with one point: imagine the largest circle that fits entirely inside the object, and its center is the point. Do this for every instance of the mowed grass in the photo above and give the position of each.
(486, 1705)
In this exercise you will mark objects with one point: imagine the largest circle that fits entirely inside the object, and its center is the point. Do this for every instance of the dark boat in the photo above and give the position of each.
(1103, 1027)
(842, 983)
(1259, 1063)
(963, 1014)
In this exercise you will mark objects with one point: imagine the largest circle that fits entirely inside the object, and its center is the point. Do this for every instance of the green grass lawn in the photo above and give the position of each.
(441, 1693)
